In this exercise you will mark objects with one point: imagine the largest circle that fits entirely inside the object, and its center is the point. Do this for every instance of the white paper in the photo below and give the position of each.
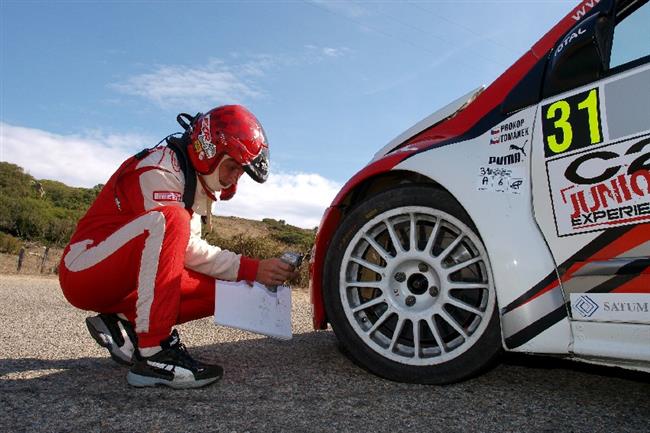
(253, 308)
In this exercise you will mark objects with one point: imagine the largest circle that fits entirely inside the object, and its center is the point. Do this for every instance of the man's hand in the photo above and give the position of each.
(273, 272)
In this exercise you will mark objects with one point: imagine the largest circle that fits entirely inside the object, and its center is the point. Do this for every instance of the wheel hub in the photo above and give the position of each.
(418, 284)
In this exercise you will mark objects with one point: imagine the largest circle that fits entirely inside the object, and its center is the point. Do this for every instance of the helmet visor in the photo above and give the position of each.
(258, 168)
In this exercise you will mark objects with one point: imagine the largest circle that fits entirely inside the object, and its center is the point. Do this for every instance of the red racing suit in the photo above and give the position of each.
(138, 251)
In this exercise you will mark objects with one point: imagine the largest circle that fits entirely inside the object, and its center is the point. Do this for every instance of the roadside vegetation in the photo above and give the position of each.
(43, 211)
(46, 212)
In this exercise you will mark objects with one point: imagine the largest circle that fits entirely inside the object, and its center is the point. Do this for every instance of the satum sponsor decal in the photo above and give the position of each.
(585, 306)
(626, 307)
(611, 307)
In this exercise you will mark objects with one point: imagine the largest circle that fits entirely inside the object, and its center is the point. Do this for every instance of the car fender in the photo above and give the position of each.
(328, 225)
(528, 290)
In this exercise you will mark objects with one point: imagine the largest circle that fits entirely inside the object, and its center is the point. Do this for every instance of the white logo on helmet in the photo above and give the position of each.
(208, 149)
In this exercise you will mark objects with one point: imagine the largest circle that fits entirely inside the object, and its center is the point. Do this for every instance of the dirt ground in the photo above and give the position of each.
(32, 262)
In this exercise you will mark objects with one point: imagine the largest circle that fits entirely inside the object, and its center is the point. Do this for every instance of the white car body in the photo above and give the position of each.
(558, 190)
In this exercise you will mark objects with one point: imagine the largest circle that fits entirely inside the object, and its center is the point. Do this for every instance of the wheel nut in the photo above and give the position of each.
(423, 267)
(410, 300)
(400, 277)
(433, 291)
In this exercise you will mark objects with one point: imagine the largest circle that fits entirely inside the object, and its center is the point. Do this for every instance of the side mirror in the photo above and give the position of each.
(581, 57)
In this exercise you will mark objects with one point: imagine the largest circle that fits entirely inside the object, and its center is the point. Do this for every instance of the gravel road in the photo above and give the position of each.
(53, 378)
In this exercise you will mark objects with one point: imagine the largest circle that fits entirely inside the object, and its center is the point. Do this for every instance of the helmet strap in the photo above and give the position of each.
(209, 193)
(214, 179)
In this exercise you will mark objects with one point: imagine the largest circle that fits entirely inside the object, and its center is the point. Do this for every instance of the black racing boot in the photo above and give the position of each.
(172, 367)
(116, 335)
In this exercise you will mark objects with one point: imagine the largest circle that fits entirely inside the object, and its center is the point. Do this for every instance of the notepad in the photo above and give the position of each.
(253, 308)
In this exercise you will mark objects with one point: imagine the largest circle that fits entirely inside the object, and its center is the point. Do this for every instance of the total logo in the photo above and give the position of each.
(585, 306)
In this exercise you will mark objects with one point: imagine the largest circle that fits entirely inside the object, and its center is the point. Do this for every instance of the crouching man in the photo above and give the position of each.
(137, 256)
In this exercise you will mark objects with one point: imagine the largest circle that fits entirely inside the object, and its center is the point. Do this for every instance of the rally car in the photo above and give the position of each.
(515, 218)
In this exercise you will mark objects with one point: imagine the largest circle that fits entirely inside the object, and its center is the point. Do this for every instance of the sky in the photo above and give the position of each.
(85, 84)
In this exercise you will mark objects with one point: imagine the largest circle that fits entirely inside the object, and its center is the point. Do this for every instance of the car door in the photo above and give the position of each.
(591, 183)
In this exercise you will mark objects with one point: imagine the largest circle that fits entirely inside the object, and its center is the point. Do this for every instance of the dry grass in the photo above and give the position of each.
(229, 227)
(32, 261)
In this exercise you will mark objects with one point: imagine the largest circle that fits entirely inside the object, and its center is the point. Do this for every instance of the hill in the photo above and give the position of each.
(39, 213)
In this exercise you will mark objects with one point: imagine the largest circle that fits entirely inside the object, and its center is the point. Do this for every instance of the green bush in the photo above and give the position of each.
(44, 211)
(261, 247)
(9, 244)
(258, 247)
(66, 197)
(302, 239)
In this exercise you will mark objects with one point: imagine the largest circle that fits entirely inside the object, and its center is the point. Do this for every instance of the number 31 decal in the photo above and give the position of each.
(572, 123)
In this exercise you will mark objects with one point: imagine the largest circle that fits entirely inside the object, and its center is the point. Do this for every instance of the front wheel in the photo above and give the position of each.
(408, 288)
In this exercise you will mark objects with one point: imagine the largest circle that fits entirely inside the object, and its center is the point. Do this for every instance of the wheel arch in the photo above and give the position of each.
(383, 181)
(349, 197)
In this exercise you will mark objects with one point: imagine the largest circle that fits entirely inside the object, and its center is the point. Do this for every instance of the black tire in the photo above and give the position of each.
(479, 352)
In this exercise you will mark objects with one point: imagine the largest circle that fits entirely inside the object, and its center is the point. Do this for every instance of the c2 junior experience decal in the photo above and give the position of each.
(601, 188)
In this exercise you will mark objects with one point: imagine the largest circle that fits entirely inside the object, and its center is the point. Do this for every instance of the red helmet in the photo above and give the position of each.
(228, 130)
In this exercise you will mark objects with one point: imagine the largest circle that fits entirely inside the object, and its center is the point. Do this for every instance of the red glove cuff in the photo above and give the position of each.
(247, 268)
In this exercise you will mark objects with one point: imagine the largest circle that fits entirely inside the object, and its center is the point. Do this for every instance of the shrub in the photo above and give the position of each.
(296, 237)
(9, 244)
(261, 247)
(258, 247)
(45, 211)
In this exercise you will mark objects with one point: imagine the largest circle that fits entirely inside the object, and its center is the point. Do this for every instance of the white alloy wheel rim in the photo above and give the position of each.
(416, 286)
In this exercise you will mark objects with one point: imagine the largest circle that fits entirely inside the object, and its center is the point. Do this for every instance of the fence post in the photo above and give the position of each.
(44, 259)
(21, 256)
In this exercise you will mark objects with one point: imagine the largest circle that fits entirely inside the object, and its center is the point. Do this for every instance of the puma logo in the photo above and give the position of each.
(521, 149)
